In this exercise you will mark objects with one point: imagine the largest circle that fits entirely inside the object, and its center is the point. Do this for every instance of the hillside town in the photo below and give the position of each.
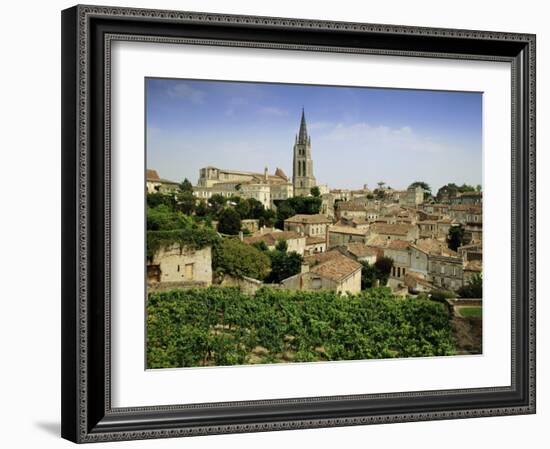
(312, 236)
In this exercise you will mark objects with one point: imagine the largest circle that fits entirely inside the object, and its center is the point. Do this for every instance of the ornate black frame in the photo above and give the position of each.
(87, 32)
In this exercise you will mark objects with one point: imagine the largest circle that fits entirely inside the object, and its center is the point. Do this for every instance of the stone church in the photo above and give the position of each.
(265, 187)
(302, 168)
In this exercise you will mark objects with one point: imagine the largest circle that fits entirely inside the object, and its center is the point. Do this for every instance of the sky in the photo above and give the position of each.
(359, 135)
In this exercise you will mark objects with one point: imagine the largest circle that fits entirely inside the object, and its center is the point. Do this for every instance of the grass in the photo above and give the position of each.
(468, 312)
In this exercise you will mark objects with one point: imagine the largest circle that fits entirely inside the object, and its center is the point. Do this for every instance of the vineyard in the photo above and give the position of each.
(222, 326)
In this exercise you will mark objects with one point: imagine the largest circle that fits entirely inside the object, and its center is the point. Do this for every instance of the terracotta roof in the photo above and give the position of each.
(359, 249)
(319, 258)
(394, 229)
(152, 175)
(281, 174)
(397, 244)
(347, 230)
(308, 219)
(337, 268)
(348, 205)
(271, 238)
(434, 247)
(315, 240)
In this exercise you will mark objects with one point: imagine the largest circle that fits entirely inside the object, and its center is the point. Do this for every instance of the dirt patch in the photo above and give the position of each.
(467, 333)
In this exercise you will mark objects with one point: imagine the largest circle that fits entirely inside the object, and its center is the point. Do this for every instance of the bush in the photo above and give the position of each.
(473, 289)
(230, 222)
(231, 256)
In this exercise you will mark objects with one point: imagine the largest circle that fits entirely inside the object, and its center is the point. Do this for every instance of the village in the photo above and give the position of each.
(414, 241)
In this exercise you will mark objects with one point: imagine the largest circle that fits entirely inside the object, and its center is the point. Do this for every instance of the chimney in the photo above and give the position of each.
(241, 236)
(265, 174)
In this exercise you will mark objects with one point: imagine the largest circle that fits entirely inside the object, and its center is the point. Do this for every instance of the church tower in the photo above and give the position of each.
(302, 169)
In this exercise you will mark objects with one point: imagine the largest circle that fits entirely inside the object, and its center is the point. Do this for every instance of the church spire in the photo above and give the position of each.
(302, 135)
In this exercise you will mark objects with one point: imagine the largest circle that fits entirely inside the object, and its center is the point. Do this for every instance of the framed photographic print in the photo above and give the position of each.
(277, 223)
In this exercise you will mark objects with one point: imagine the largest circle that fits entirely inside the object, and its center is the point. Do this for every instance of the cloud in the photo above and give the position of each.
(385, 138)
(185, 91)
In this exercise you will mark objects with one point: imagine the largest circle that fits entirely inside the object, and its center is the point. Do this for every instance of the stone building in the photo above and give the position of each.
(180, 266)
(445, 266)
(315, 245)
(264, 188)
(342, 235)
(154, 183)
(394, 231)
(295, 242)
(302, 167)
(309, 225)
(328, 271)
(413, 197)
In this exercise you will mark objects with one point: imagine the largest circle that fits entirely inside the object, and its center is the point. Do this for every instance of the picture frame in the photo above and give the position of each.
(87, 411)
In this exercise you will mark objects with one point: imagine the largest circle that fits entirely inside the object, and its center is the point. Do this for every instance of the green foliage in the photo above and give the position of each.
(315, 192)
(425, 186)
(163, 218)
(231, 256)
(283, 265)
(186, 203)
(453, 190)
(157, 199)
(470, 312)
(185, 186)
(308, 205)
(455, 237)
(192, 235)
(222, 326)
(368, 275)
(229, 222)
(473, 289)
(281, 245)
(261, 245)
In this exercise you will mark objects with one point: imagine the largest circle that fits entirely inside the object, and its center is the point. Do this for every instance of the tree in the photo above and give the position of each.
(156, 199)
(282, 246)
(315, 192)
(231, 256)
(243, 209)
(473, 289)
(229, 222)
(256, 208)
(217, 202)
(283, 265)
(383, 267)
(185, 186)
(455, 237)
(186, 203)
(163, 218)
(201, 209)
(368, 275)
(423, 185)
(381, 185)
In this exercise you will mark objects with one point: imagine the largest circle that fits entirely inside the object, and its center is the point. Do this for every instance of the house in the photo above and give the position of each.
(349, 209)
(315, 245)
(360, 252)
(342, 235)
(473, 251)
(155, 184)
(309, 225)
(330, 271)
(435, 229)
(445, 266)
(295, 242)
(179, 266)
(394, 231)
(398, 251)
